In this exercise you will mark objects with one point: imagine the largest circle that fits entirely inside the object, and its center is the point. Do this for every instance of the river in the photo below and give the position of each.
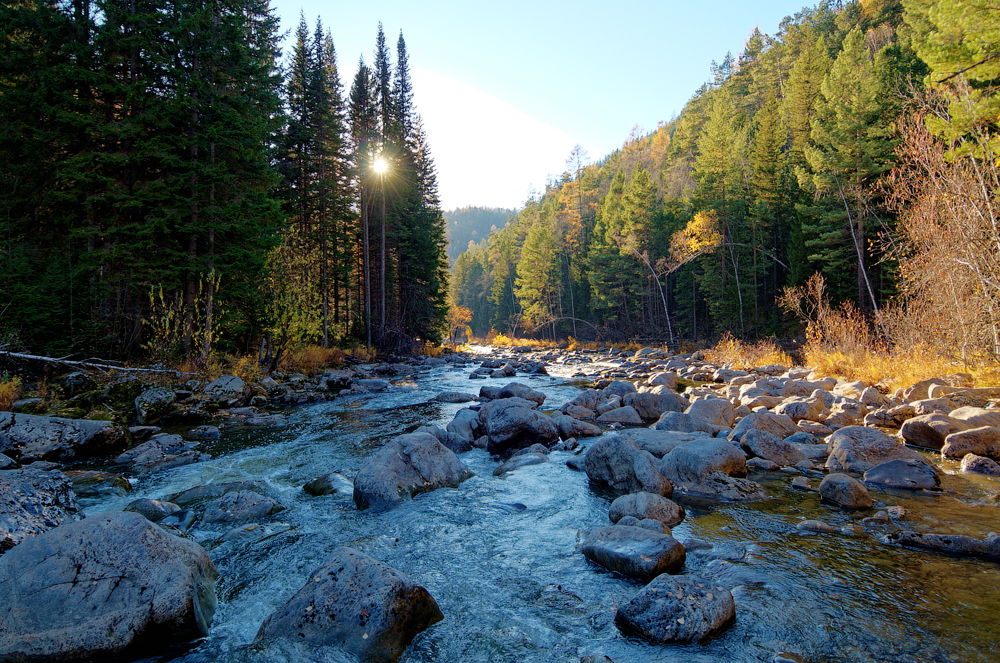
(499, 554)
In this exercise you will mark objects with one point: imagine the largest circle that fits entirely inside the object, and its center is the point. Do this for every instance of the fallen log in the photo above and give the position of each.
(102, 365)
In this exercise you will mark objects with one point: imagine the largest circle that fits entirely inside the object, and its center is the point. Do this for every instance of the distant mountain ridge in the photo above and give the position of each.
(472, 224)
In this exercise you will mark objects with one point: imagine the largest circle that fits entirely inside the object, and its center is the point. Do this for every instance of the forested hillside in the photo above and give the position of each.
(859, 142)
(472, 224)
(172, 185)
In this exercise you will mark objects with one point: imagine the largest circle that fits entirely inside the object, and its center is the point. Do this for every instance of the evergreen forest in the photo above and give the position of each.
(173, 185)
(858, 143)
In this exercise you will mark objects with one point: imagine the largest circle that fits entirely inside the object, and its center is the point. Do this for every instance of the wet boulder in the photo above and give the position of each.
(112, 585)
(31, 502)
(97, 483)
(512, 423)
(519, 390)
(646, 506)
(328, 484)
(358, 604)
(152, 510)
(241, 506)
(454, 397)
(710, 467)
(618, 462)
(152, 404)
(636, 552)
(28, 437)
(987, 547)
(519, 460)
(982, 441)
(453, 441)
(162, 451)
(404, 467)
(771, 447)
(900, 473)
(464, 424)
(200, 494)
(857, 449)
(845, 491)
(980, 465)
(229, 391)
(677, 609)
(570, 427)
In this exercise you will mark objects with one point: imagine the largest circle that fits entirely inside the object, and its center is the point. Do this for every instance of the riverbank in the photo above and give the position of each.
(838, 575)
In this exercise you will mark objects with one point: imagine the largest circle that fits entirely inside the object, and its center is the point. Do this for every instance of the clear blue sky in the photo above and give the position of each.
(507, 88)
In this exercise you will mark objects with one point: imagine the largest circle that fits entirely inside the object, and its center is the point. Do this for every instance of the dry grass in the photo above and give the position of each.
(888, 350)
(10, 390)
(311, 359)
(503, 341)
(744, 355)
(431, 350)
(363, 353)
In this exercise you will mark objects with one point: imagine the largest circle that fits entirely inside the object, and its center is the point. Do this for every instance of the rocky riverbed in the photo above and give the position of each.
(507, 506)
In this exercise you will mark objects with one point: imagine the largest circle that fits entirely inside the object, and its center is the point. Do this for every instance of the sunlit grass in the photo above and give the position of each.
(744, 354)
(10, 391)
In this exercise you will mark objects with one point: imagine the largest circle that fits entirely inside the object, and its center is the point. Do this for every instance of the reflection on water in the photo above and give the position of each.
(499, 554)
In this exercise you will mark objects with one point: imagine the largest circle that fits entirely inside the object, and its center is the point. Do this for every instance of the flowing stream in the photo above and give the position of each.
(499, 554)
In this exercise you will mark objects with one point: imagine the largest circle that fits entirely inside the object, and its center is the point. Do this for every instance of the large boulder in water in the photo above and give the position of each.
(845, 491)
(930, 430)
(710, 467)
(29, 437)
(636, 552)
(858, 448)
(646, 506)
(900, 473)
(677, 609)
(364, 607)
(778, 424)
(406, 466)
(31, 502)
(153, 403)
(618, 462)
(113, 585)
(160, 452)
(982, 441)
(512, 423)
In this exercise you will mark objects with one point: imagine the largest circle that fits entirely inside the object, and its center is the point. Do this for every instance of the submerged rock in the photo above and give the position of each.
(406, 466)
(899, 473)
(160, 452)
(980, 465)
(953, 544)
(111, 585)
(677, 609)
(636, 552)
(241, 506)
(31, 502)
(358, 604)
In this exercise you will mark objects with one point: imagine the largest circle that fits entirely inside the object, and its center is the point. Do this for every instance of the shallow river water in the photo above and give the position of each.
(499, 554)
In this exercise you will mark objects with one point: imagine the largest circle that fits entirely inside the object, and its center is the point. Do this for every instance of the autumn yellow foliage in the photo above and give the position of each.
(745, 355)
(10, 390)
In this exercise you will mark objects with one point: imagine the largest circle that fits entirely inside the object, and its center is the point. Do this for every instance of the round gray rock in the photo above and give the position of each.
(356, 603)
(845, 491)
(112, 585)
(636, 552)
(677, 609)
(646, 506)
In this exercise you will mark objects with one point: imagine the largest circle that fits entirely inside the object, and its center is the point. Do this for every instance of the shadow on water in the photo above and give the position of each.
(500, 555)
